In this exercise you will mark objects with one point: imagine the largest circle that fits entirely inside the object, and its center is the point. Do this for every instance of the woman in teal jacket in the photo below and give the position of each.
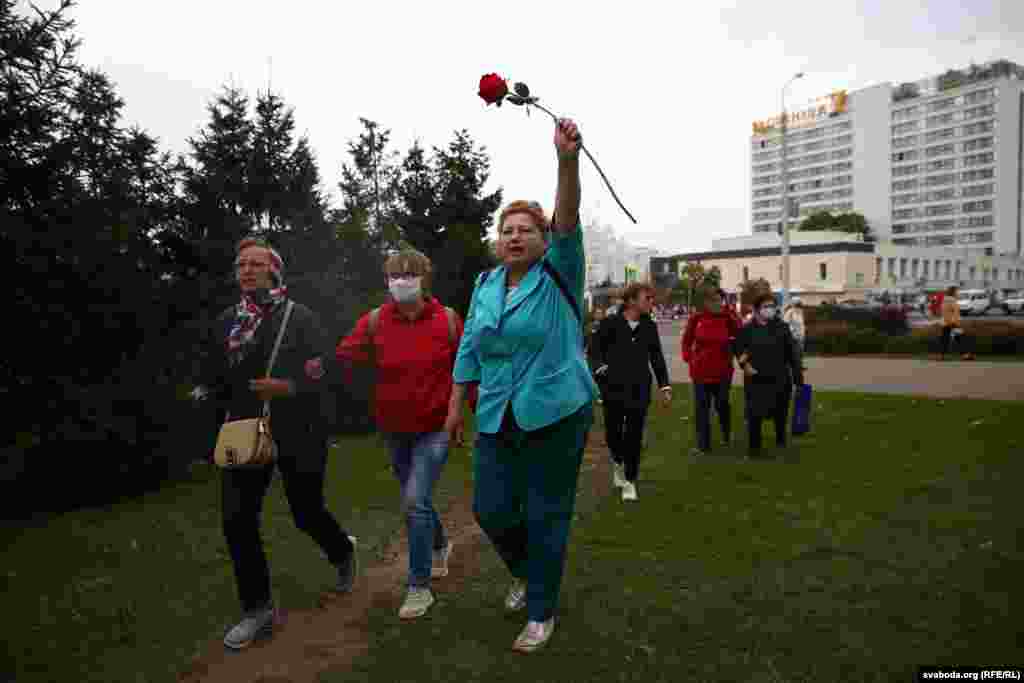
(523, 343)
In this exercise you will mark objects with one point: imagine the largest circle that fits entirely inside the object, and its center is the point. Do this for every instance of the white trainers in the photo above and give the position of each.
(618, 475)
(516, 598)
(534, 635)
(417, 602)
(439, 566)
(629, 491)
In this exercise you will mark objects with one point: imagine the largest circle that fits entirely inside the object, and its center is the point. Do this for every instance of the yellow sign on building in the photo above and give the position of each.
(828, 105)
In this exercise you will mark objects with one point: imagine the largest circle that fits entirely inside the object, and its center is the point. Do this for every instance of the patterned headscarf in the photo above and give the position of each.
(253, 307)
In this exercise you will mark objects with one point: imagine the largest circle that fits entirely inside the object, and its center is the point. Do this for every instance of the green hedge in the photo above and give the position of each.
(868, 341)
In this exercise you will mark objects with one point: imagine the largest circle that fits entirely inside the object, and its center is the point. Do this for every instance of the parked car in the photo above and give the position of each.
(975, 302)
(1014, 303)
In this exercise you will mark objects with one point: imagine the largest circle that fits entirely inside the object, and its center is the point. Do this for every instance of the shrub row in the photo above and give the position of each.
(980, 337)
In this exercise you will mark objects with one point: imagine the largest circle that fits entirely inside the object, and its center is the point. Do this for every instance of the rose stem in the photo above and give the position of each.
(593, 161)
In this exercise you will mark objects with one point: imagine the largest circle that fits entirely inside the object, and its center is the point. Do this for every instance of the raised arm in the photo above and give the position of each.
(567, 195)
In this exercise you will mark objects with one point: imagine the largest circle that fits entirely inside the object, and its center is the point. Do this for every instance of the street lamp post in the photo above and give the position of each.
(785, 192)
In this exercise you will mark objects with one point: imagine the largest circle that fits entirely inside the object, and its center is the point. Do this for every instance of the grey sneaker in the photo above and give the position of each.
(534, 635)
(516, 598)
(348, 570)
(254, 624)
(439, 565)
(417, 602)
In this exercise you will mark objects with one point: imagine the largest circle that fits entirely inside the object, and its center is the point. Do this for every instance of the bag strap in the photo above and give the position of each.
(560, 282)
(450, 314)
(277, 347)
(374, 321)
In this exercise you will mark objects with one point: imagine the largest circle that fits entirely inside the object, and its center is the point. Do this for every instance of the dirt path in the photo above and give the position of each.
(308, 642)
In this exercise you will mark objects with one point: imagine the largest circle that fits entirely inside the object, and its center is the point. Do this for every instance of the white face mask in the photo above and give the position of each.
(406, 290)
(766, 312)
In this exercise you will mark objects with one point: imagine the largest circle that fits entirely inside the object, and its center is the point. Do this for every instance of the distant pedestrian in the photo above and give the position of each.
(771, 363)
(951, 330)
(626, 348)
(707, 347)
(794, 317)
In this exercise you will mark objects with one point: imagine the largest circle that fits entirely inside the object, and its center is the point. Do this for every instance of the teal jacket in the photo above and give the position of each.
(528, 350)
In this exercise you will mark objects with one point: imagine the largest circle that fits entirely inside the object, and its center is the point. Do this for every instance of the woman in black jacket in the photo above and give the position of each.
(233, 374)
(771, 363)
(625, 347)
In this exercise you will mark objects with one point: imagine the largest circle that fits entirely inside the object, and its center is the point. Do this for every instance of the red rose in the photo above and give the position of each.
(493, 88)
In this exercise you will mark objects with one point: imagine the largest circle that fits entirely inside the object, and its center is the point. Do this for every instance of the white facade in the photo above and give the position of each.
(936, 163)
(608, 255)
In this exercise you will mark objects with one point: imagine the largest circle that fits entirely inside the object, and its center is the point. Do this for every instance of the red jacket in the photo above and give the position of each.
(414, 361)
(706, 345)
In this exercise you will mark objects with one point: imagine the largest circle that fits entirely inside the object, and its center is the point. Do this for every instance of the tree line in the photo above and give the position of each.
(119, 254)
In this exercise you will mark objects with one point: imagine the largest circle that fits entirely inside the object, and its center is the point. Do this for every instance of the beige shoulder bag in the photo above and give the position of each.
(249, 443)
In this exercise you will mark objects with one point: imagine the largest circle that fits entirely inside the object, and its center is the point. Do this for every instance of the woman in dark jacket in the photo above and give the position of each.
(771, 363)
(707, 349)
(626, 347)
(234, 374)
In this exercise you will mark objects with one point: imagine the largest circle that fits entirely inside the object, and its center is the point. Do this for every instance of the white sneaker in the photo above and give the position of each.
(534, 635)
(439, 566)
(254, 624)
(629, 491)
(618, 475)
(516, 598)
(417, 602)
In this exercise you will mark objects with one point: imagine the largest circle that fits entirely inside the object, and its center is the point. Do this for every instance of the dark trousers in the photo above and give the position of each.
(243, 491)
(624, 432)
(704, 395)
(946, 342)
(780, 417)
(523, 499)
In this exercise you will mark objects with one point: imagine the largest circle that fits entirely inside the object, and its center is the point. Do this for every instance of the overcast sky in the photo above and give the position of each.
(664, 92)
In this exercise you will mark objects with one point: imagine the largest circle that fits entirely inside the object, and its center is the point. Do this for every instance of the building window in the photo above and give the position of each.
(957, 275)
(878, 270)
(903, 268)
(913, 268)
(892, 266)
(746, 274)
(973, 271)
(860, 278)
(780, 273)
(948, 264)
(924, 268)
(995, 274)
(823, 271)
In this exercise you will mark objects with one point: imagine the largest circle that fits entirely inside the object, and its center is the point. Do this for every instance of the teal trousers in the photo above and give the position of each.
(523, 499)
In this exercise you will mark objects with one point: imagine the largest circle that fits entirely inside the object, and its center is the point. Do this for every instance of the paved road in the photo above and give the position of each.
(950, 379)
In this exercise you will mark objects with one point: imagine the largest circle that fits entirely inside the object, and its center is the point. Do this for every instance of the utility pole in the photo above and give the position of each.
(785, 196)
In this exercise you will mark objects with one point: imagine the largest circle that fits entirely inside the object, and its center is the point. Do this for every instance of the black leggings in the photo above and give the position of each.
(242, 504)
(624, 431)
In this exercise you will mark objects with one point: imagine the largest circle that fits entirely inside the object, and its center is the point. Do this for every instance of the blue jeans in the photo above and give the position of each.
(417, 460)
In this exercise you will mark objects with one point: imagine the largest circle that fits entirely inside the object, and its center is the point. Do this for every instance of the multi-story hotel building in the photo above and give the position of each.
(935, 163)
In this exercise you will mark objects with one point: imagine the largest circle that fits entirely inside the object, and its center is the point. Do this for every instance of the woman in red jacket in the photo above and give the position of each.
(707, 346)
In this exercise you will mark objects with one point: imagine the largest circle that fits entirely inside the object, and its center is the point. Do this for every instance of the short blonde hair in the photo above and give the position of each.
(410, 260)
(532, 209)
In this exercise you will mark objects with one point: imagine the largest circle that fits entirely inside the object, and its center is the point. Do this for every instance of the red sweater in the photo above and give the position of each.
(414, 361)
(706, 345)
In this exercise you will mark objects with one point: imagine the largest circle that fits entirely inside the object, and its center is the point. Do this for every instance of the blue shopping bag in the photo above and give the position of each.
(802, 410)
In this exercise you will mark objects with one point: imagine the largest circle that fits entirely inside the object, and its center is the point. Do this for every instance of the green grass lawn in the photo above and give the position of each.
(889, 538)
(131, 592)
